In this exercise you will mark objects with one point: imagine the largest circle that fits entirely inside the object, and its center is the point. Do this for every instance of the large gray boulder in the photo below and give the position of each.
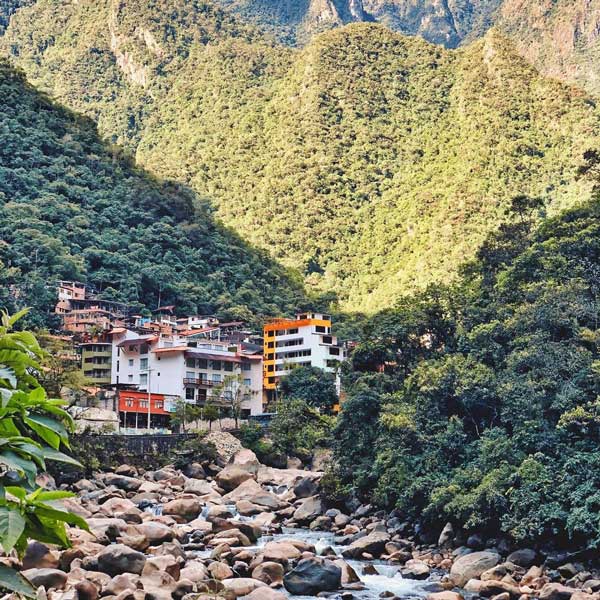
(471, 566)
(118, 558)
(232, 476)
(186, 508)
(312, 576)
(525, 557)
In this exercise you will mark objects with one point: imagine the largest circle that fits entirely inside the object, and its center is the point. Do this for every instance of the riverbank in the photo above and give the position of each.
(233, 528)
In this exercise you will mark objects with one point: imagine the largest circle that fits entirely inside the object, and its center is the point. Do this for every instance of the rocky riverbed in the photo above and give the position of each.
(237, 529)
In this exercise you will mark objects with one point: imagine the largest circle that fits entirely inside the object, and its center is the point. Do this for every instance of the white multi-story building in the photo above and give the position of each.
(303, 341)
(166, 364)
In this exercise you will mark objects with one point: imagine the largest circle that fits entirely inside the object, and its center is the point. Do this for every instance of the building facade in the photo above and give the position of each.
(208, 372)
(96, 361)
(304, 341)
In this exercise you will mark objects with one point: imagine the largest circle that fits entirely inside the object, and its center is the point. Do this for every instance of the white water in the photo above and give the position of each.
(388, 580)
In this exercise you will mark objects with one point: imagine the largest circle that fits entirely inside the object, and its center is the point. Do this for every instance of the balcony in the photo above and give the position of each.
(201, 382)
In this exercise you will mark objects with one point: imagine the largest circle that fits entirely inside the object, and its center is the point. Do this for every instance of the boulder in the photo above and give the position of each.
(310, 508)
(445, 595)
(194, 571)
(491, 587)
(270, 573)
(186, 508)
(129, 484)
(306, 487)
(155, 532)
(199, 487)
(556, 591)
(525, 557)
(446, 537)
(86, 590)
(415, 569)
(373, 544)
(471, 566)
(118, 558)
(265, 594)
(247, 508)
(312, 576)
(280, 552)
(349, 575)
(46, 578)
(242, 586)
(39, 556)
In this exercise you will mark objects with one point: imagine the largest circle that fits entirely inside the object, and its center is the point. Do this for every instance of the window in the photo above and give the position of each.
(270, 333)
(227, 366)
(130, 361)
(189, 393)
(117, 366)
(190, 363)
(158, 404)
(246, 366)
(334, 351)
(129, 402)
(270, 368)
(270, 344)
(270, 357)
(144, 349)
(320, 329)
(131, 348)
(216, 378)
(190, 375)
(143, 403)
(327, 339)
(332, 363)
(202, 364)
(143, 364)
(130, 377)
(247, 382)
(144, 379)
(292, 331)
(216, 365)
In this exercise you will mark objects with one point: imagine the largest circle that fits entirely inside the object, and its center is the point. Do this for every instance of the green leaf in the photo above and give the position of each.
(47, 512)
(18, 315)
(19, 464)
(54, 495)
(52, 454)
(45, 432)
(17, 492)
(12, 525)
(13, 581)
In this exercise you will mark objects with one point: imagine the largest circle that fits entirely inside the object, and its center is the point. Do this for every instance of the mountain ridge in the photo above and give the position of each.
(372, 162)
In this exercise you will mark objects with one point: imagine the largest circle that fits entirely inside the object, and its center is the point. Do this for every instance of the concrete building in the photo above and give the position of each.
(96, 361)
(165, 364)
(304, 341)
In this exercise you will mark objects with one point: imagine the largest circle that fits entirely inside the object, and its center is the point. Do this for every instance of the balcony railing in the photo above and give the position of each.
(205, 382)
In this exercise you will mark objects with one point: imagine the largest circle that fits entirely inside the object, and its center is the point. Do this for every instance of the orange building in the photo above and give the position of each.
(303, 341)
(133, 410)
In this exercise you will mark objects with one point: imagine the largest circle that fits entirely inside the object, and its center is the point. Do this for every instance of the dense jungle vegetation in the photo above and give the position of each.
(477, 403)
(373, 163)
(73, 208)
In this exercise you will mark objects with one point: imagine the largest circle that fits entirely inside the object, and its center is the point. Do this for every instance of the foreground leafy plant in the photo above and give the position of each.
(33, 428)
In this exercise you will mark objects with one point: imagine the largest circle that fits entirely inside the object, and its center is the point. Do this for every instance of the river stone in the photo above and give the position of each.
(415, 569)
(129, 484)
(198, 487)
(242, 586)
(186, 508)
(310, 508)
(47, 578)
(232, 476)
(86, 590)
(270, 573)
(195, 571)
(445, 595)
(373, 544)
(491, 587)
(471, 566)
(525, 557)
(38, 556)
(306, 487)
(265, 594)
(118, 558)
(312, 576)
(156, 532)
(349, 575)
(446, 536)
(556, 591)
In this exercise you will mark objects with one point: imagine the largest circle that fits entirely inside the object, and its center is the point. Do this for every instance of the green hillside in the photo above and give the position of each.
(487, 414)
(371, 162)
(72, 207)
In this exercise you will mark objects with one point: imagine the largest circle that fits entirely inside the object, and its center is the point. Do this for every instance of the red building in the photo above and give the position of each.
(133, 410)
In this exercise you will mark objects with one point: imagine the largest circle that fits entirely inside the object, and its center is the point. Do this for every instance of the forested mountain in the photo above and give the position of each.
(72, 207)
(487, 414)
(372, 162)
